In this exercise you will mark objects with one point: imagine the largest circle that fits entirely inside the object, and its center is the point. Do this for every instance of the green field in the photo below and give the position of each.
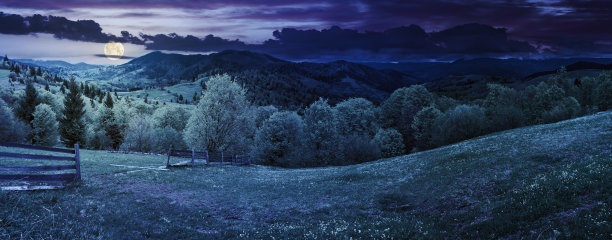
(540, 182)
(169, 93)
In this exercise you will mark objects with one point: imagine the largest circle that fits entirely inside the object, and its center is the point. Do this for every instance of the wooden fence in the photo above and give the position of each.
(206, 158)
(59, 177)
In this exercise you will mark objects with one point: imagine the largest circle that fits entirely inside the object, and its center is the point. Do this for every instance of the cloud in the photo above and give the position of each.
(61, 28)
(113, 56)
(190, 43)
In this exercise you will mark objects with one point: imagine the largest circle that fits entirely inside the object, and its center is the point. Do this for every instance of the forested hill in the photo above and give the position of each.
(268, 80)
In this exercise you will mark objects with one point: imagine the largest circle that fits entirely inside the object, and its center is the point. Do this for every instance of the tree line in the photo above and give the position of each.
(352, 131)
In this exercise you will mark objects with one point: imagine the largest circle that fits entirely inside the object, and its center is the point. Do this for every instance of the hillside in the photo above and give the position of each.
(268, 80)
(540, 182)
(507, 68)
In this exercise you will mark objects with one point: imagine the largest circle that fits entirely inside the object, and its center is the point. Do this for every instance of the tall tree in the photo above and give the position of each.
(72, 126)
(44, 126)
(28, 103)
(109, 101)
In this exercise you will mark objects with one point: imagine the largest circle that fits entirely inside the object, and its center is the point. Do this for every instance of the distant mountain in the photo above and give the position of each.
(56, 64)
(582, 65)
(268, 80)
(507, 68)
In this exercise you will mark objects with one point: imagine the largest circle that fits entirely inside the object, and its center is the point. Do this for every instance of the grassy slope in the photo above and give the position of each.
(534, 182)
(186, 89)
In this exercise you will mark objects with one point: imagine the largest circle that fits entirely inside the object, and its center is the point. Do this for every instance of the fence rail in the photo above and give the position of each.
(206, 157)
(17, 171)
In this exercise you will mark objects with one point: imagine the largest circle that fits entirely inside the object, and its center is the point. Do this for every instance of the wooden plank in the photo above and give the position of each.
(39, 178)
(30, 188)
(37, 157)
(38, 168)
(26, 146)
(77, 159)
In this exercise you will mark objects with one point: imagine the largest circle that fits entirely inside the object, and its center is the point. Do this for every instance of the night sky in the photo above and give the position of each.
(370, 30)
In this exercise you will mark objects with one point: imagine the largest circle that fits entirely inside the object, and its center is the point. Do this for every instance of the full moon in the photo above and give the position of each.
(113, 50)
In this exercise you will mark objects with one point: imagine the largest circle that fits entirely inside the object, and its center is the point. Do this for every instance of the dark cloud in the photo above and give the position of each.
(113, 56)
(367, 28)
(61, 28)
(190, 43)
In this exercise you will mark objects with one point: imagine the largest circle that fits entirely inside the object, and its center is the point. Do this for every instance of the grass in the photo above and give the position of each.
(547, 181)
(169, 93)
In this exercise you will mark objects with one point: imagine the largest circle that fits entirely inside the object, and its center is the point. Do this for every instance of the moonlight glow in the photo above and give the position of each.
(113, 50)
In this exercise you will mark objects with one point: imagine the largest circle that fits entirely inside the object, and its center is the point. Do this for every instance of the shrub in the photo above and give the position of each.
(171, 116)
(502, 107)
(423, 126)
(139, 135)
(262, 113)
(565, 109)
(390, 142)
(416, 95)
(603, 93)
(279, 139)
(462, 122)
(166, 137)
(321, 135)
(356, 116)
(541, 98)
(44, 126)
(11, 129)
(404, 126)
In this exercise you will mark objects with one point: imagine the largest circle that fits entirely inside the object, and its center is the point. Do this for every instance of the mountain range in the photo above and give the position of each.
(270, 80)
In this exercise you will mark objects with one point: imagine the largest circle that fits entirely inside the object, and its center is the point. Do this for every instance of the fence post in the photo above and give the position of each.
(77, 159)
(192, 156)
(206, 157)
(168, 161)
(221, 157)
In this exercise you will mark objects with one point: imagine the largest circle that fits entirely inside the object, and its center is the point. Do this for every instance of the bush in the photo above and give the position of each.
(502, 107)
(565, 109)
(166, 137)
(603, 93)
(356, 116)
(390, 142)
(279, 140)
(423, 126)
(359, 149)
(139, 135)
(44, 126)
(540, 99)
(416, 95)
(171, 116)
(11, 129)
(463, 122)
(321, 135)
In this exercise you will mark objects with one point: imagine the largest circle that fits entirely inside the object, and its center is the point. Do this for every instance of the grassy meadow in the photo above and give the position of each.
(539, 182)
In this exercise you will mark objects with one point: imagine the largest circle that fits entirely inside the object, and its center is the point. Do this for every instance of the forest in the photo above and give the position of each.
(54, 111)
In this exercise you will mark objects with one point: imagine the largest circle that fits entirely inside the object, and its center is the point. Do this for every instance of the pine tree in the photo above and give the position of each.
(44, 126)
(86, 91)
(28, 103)
(5, 58)
(63, 89)
(17, 69)
(39, 72)
(47, 87)
(72, 127)
(109, 101)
